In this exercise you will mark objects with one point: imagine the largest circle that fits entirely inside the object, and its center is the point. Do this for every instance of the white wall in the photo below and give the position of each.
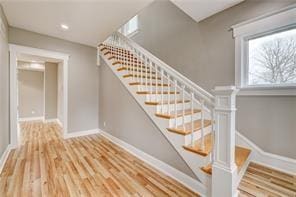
(50, 90)
(82, 76)
(30, 93)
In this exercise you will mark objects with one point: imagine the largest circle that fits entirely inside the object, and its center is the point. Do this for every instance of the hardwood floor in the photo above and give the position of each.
(263, 181)
(47, 165)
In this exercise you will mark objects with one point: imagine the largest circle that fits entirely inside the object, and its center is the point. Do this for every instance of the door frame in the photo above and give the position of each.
(14, 51)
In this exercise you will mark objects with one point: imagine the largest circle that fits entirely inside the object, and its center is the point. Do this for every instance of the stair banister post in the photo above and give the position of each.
(224, 169)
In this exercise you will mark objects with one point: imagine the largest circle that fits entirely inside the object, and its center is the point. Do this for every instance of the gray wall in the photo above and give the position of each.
(82, 76)
(4, 84)
(204, 52)
(126, 120)
(30, 93)
(50, 90)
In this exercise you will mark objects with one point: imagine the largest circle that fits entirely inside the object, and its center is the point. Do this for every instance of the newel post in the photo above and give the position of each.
(224, 170)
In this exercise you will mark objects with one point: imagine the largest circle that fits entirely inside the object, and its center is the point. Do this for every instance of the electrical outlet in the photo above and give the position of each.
(104, 124)
(33, 112)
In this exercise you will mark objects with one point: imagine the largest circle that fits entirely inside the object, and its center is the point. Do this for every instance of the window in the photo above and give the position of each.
(130, 28)
(265, 54)
(272, 59)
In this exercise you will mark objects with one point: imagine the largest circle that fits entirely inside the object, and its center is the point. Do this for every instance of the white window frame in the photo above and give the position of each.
(280, 20)
(124, 28)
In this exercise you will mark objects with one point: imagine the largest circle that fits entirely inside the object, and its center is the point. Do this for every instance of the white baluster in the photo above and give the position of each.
(141, 73)
(162, 92)
(146, 73)
(156, 83)
(151, 80)
(202, 124)
(213, 134)
(169, 95)
(183, 106)
(192, 122)
(175, 105)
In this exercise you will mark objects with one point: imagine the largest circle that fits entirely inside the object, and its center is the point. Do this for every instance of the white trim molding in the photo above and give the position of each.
(179, 176)
(14, 51)
(81, 133)
(273, 22)
(4, 157)
(31, 118)
(258, 155)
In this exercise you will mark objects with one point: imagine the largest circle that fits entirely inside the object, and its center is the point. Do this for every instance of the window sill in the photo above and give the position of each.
(268, 91)
(130, 35)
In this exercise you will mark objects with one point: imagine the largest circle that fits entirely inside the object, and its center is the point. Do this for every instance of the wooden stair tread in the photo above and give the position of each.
(148, 84)
(196, 148)
(139, 76)
(136, 70)
(187, 130)
(156, 92)
(207, 169)
(104, 48)
(165, 102)
(179, 113)
(241, 156)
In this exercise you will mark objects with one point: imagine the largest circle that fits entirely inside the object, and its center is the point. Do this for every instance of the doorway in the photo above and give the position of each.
(38, 88)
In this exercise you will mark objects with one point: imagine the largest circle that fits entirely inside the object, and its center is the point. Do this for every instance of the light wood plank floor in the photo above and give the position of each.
(47, 165)
(264, 181)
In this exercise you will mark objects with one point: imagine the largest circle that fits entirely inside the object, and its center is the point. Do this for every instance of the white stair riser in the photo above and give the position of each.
(187, 119)
(197, 135)
(179, 106)
(154, 97)
(153, 88)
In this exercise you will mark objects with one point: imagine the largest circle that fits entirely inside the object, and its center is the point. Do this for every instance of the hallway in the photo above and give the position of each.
(47, 165)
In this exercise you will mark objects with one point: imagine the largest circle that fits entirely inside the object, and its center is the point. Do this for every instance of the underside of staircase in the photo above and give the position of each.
(186, 124)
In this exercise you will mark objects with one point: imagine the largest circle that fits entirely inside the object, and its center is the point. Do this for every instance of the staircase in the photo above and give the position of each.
(197, 123)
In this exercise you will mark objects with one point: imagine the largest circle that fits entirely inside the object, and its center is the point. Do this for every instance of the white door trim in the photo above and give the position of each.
(14, 50)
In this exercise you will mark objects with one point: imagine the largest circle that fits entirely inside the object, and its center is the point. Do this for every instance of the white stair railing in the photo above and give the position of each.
(197, 96)
(148, 71)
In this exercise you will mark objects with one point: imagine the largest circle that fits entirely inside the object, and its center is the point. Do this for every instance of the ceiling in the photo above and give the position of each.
(90, 22)
(201, 9)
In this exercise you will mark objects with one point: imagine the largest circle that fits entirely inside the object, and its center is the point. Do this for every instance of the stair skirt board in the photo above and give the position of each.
(179, 176)
(259, 156)
(193, 160)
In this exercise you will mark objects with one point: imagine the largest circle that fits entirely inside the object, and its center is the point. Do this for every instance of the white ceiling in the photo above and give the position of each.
(90, 22)
(201, 9)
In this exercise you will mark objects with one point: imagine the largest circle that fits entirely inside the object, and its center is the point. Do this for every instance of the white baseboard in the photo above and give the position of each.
(59, 122)
(51, 120)
(31, 118)
(258, 155)
(186, 180)
(4, 157)
(81, 133)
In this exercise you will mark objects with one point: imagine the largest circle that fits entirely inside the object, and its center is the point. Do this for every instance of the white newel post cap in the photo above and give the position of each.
(222, 94)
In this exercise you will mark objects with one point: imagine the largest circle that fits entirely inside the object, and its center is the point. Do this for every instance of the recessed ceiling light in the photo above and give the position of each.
(64, 26)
